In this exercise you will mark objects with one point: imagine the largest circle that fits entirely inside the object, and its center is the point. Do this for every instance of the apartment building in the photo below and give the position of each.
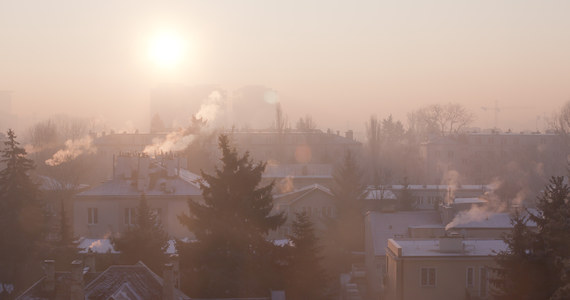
(110, 208)
(443, 268)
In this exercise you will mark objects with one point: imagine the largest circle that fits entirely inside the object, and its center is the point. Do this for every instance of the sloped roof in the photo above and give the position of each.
(183, 185)
(137, 280)
(296, 195)
(384, 226)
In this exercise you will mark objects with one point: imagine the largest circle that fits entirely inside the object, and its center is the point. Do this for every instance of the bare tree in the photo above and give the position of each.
(281, 122)
(560, 123)
(440, 119)
(374, 139)
(306, 124)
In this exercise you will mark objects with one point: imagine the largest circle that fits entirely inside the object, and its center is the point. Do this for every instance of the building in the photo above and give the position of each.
(117, 282)
(296, 147)
(444, 268)
(289, 177)
(479, 157)
(110, 208)
(378, 229)
(429, 196)
(314, 200)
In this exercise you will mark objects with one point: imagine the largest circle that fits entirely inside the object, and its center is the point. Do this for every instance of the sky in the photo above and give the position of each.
(339, 61)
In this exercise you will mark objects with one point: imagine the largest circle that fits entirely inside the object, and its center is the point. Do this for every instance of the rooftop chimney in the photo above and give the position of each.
(76, 289)
(90, 261)
(175, 261)
(168, 282)
(49, 281)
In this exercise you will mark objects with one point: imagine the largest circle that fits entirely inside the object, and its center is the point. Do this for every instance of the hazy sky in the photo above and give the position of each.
(339, 61)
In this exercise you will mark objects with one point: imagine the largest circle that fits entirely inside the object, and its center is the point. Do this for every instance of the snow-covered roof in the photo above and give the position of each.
(105, 246)
(441, 187)
(380, 194)
(430, 247)
(384, 226)
(485, 220)
(183, 185)
(297, 194)
(96, 245)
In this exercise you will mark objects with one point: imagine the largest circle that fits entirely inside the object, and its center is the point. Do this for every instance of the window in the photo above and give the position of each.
(469, 277)
(92, 216)
(427, 277)
(483, 282)
(129, 216)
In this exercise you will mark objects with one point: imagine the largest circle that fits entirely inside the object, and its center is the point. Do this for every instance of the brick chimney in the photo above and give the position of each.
(76, 288)
(49, 281)
(168, 282)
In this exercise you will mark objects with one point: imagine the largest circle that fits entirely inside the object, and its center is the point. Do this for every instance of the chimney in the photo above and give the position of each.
(168, 282)
(49, 281)
(76, 289)
(90, 261)
(175, 261)
(170, 165)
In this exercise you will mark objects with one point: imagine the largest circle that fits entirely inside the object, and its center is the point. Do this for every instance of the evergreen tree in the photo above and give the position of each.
(517, 263)
(535, 264)
(65, 249)
(231, 257)
(145, 241)
(349, 193)
(21, 213)
(306, 278)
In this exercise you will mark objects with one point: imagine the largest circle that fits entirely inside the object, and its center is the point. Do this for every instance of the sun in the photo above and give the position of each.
(166, 49)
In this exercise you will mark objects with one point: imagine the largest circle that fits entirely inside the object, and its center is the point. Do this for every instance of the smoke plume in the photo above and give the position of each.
(73, 148)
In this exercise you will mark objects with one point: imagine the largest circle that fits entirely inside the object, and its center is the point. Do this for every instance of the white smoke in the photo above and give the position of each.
(475, 214)
(73, 148)
(211, 108)
(179, 139)
(174, 142)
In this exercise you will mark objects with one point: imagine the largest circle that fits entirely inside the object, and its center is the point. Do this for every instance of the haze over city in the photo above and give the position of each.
(337, 61)
(285, 150)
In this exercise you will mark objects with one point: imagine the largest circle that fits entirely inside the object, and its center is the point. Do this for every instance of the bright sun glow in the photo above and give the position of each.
(166, 50)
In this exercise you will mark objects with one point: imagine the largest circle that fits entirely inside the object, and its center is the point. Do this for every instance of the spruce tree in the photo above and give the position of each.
(145, 241)
(535, 264)
(21, 213)
(305, 277)
(231, 257)
(349, 193)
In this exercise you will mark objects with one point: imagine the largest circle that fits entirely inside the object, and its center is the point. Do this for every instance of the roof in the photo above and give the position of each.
(469, 200)
(105, 246)
(384, 226)
(298, 194)
(441, 187)
(485, 220)
(380, 195)
(185, 184)
(136, 280)
(430, 247)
